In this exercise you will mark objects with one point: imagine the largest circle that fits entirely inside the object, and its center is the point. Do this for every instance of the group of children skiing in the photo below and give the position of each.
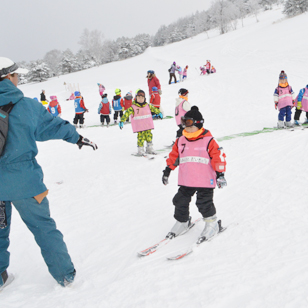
(285, 100)
(207, 69)
(181, 72)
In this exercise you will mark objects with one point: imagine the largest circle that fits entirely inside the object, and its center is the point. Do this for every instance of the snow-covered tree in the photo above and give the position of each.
(69, 62)
(254, 7)
(223, 13)
(295, 7)
(53, 59)
(91, 43)
(84, 60)
(39, 71)
(243, 9)
(110, 51)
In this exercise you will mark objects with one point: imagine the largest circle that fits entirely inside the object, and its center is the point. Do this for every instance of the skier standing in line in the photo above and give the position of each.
(153, 82)
(117, 105)
(155, 101)
(201, 167)
(44, 101)
(101, 89)
(181, 107)
(180, 72)
(21, 177)
(142, 122)
(54, 107)
(127, 102)
(301, 104)
(208, 66)
(171, 71)
(80, 109)
(104, 109)
(284, 101)
(185, 72)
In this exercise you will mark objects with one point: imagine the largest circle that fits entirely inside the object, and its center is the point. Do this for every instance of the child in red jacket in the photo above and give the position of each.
(54, 107)
(201, 167)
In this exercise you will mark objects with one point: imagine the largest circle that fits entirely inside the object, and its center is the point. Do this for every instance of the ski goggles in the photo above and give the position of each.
(188, 122)
(140, 94)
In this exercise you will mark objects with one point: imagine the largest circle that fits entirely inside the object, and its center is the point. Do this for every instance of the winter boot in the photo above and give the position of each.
(140, 151)
(149, 149)
(76, 125)
(115, 121)
(289, 124)
(107, 125)
(5, 280)
(179, 228)
(81, 126)
(68, 280)
(211, 227)
(280, 124)
(296, 122)
(306, 121)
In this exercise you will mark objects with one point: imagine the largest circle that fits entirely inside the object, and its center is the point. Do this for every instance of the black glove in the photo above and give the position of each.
(84, 141)
(166, 175)
(221, 181)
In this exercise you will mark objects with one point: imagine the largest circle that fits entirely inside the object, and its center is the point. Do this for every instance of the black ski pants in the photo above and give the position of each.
(116, 114)
(78, 117)
(105, 116)
(298, 114)
(204, 202)
(172, 75)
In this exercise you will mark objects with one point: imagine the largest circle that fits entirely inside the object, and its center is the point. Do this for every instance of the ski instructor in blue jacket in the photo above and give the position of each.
(21, 178)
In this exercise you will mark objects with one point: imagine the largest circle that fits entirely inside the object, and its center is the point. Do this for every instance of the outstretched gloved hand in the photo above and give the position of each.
(166, 175)
(85, 141)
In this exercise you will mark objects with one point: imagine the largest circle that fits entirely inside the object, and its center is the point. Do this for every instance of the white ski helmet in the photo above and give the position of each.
(7, 66)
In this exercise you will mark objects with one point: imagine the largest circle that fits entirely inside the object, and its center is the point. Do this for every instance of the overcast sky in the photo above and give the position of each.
(31, 28)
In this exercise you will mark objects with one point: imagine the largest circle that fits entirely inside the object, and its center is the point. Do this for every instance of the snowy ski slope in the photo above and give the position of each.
(111, 205)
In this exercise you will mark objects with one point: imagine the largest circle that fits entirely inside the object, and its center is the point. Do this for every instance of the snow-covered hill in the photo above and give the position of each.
(110, 204)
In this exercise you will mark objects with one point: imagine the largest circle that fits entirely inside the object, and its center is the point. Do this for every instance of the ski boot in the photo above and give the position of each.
(289, 124)
(179, 228)
(149, 149)
(306, 121)
(107, 125)
(140, 151)
(280, 124)
(211, 228)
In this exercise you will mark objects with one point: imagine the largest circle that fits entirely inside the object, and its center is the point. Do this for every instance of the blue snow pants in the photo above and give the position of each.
(37, 218)
(285, 112)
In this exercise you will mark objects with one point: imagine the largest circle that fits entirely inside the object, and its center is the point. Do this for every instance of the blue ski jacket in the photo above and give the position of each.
(301, 94)
(20, 175)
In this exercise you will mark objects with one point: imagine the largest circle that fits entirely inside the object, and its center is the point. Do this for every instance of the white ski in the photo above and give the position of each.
(191, 248)
(164, 242)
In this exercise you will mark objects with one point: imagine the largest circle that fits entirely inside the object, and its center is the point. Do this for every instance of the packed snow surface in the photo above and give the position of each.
(109, 204)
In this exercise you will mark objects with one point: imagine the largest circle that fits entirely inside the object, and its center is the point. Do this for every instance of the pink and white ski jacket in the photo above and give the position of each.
(199, 157)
